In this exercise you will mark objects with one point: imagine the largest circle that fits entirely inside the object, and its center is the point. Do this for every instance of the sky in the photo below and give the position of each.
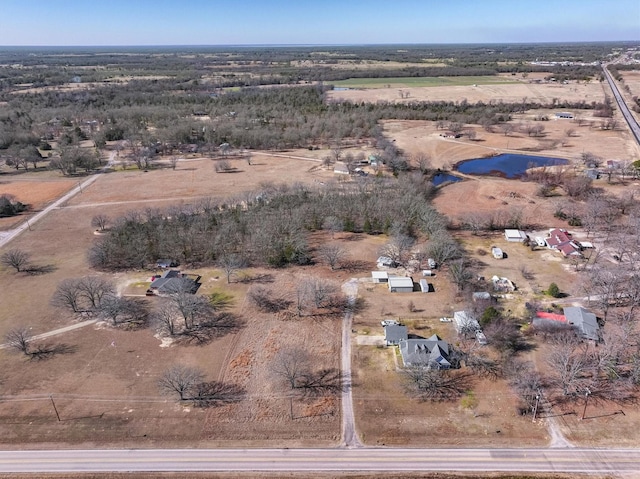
(314, 22)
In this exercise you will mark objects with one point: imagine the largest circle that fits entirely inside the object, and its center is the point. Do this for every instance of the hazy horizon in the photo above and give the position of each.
(62, 23)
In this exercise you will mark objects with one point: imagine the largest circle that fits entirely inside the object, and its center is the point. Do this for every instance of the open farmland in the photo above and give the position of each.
(413, 82)
(505, 89)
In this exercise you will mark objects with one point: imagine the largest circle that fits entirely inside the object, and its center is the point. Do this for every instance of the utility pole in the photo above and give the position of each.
(54, 407)
(587, 392)
(535, 408)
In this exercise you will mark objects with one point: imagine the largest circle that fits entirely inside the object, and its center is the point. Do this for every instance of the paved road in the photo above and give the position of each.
(624, 109)
(593, 461)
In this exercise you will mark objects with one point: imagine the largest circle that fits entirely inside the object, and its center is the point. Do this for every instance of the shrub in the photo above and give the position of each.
(553, 290)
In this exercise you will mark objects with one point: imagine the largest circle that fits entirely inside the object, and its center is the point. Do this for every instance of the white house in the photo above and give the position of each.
(400, 284)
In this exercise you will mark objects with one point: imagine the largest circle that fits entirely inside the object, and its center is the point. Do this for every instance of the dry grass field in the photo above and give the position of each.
(33, 189)
(105, 385)
(513, 89)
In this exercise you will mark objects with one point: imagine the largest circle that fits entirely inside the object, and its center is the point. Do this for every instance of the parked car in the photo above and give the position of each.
(446, 320)
(432, 263)
(388, 322)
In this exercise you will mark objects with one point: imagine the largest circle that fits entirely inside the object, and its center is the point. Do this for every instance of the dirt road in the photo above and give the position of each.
(349, 434)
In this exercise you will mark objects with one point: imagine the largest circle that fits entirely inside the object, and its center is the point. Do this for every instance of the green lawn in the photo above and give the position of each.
(408, 82)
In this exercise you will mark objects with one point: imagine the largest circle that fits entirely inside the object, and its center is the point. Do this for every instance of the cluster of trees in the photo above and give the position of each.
(269, 226)
(10, 207)
(180, 313)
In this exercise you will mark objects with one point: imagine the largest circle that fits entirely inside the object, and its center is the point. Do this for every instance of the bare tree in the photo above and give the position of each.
(291, 365)
(165, 317)
(231, 263)
(100, 221)
(568, 362)
(118, 310)
(398, 248)
(68, 295)
(182, 380)
(333, 224)
(436, 385)
(94, 288)
(19, 339)
(507, 128)
(267, 300)
(331, 254)
(443, 248)
(17, 259)
(424, 162)
(217, 393)
(460, 273)
(193, 309)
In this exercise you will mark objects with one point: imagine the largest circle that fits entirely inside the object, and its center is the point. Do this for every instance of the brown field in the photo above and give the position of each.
(540, 92)
(105, 389)
(33, 189)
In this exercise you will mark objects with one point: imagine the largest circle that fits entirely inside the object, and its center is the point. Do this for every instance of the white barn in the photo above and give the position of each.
(400, 284)
(515, 236)
(380, 276)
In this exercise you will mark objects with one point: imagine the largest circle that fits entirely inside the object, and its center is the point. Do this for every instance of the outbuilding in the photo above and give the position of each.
(515, 236)
(424, 286)
(380, 276)
(400, 284)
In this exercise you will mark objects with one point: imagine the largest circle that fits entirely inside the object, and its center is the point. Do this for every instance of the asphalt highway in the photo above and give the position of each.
(569, 460)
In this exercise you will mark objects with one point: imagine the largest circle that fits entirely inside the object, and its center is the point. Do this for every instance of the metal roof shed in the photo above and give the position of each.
(400, 284)
(380, 276)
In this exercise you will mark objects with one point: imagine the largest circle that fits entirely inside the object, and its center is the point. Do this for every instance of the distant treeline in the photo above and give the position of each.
(240, 66)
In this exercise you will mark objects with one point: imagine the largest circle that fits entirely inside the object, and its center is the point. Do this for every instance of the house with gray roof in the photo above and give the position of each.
(584, 321)
(431, 353)
(394, 333)
(173, 281)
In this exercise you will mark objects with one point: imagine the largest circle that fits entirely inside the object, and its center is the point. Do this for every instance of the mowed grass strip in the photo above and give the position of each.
(414, 82)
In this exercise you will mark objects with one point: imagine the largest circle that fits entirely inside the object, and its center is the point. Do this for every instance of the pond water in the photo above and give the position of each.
(440, 178)
(507, 165)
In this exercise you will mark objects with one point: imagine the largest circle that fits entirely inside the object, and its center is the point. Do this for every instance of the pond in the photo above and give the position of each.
(441, 178)
(507, 165)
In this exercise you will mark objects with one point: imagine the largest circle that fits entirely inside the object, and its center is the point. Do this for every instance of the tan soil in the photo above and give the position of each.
(512, 92)
(33, 190)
